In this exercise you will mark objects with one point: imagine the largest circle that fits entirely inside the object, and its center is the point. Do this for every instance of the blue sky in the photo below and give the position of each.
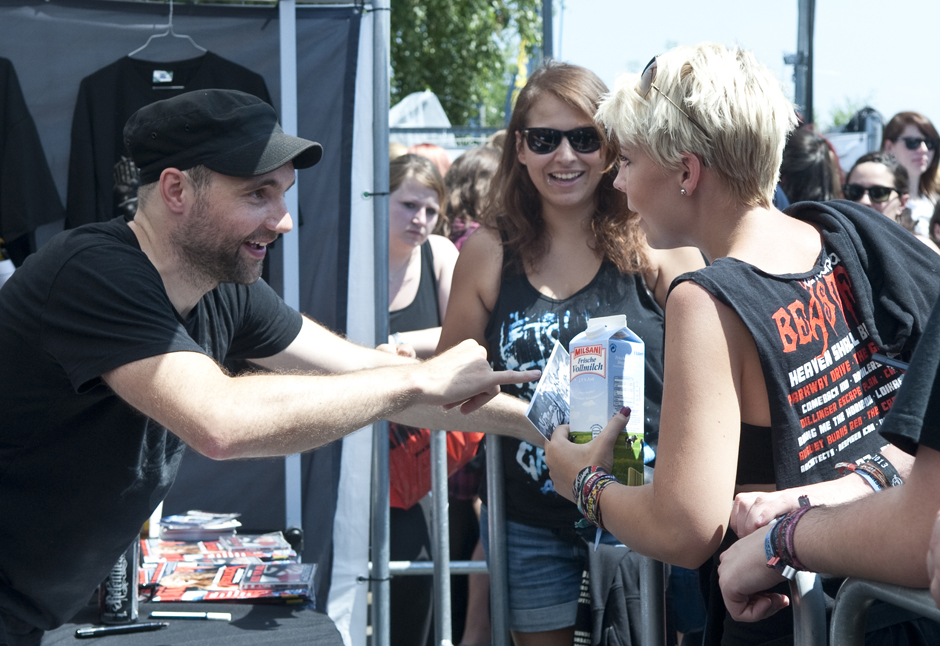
(862, 52)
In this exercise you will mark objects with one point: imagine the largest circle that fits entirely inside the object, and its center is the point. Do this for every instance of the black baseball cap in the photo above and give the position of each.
(227, 131)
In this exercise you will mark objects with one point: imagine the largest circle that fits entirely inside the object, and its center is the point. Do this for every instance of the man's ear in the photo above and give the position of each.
(175, 190)
(690, 166)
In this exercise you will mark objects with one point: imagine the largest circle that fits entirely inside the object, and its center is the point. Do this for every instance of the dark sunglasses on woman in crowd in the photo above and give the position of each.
(913, 143)
(542, 141)
(877, 194)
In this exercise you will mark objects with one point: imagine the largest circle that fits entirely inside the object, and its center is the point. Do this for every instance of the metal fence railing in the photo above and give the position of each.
(652, 573)
(855, 598)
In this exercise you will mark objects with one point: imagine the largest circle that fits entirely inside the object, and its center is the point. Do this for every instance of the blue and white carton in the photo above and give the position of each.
(608, 362)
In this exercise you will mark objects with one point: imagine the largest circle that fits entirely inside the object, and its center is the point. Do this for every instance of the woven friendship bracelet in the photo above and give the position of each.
(585, 495)
(877, 471)
(778, 544)
(581, 477)
(874, 482)
(592, 502)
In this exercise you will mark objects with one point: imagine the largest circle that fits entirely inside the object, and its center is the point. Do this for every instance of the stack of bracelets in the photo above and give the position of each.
(877, 471)
(778, 543)
(587, 489)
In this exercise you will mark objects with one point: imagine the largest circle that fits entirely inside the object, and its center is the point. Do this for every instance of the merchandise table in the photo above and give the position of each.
(251, 624)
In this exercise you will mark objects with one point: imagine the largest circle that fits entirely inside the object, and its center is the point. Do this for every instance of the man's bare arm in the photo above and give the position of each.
(226, 417)
(883, 536)
(503, 415)
(317, 349)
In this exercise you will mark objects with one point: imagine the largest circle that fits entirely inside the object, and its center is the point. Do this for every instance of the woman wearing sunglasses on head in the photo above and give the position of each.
(880, 181)
(768, 377)
(557, 247)
(913, 139)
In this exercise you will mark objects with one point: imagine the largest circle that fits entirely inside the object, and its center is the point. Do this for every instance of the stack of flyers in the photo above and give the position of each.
(181, 581)
(198, 526)
(247, 548)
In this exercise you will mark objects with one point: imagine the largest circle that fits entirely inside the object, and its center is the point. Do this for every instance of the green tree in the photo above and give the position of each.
(462, 50)
(839, 115)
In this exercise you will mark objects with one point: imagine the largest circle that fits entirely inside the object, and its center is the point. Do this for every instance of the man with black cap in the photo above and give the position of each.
(111, 341)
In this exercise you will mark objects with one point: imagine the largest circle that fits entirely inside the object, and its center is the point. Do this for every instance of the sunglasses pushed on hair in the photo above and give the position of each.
(542, 141)
(913, 143)
(877, 194)
(646, 82)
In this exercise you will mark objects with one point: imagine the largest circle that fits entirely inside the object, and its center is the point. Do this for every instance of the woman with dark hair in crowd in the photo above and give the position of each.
(878, 180)
(810, 169)
(913, 139)
(419, 261)
(557, 247)
(468, 190)
(420, 266)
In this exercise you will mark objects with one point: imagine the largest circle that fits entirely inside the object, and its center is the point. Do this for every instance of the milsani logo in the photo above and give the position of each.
(588, 359)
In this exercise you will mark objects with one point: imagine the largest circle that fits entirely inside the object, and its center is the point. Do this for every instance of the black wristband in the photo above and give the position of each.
(892, 477)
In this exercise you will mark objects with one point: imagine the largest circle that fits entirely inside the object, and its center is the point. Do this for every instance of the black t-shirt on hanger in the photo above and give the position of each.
(28, 196)
(102, 180)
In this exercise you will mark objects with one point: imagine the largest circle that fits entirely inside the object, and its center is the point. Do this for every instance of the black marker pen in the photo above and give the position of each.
(102, 631)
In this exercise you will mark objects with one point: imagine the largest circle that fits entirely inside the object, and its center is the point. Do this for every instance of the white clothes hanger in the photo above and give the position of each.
(169, 32)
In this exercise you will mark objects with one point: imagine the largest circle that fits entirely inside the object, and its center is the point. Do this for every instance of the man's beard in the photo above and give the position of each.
(209, 255)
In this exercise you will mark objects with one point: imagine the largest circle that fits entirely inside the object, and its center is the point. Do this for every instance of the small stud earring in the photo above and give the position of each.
(682, 191)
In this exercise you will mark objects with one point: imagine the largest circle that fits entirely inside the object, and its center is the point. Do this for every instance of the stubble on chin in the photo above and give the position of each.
(208, 257)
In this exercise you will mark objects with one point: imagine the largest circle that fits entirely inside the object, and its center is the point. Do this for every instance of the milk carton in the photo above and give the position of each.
(607, 373)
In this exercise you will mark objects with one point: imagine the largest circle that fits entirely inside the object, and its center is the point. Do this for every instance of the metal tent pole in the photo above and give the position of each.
(380, 491)
(440, 536)
(290, 243)
(548, 40)
(499, 578)
(803, 68)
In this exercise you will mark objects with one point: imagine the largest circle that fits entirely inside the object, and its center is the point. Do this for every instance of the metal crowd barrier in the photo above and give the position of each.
(652, 573)
(855, 598)
(850, 611)
(809, 610)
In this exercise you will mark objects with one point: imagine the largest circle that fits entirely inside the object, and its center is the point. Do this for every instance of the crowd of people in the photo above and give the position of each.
(731, 158)
(777, 416)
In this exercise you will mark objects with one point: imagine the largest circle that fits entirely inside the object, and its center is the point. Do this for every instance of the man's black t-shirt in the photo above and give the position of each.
(80, 470)
(914, 419)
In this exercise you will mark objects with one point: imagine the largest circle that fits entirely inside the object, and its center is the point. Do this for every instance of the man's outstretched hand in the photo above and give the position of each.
(462, 377)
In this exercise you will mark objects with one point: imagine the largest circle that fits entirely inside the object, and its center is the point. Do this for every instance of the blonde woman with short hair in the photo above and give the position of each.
(768, 376)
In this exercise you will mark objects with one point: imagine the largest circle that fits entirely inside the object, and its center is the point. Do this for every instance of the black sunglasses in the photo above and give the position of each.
(877, 194)
(913, 143)
(542, 141)
(646, 82)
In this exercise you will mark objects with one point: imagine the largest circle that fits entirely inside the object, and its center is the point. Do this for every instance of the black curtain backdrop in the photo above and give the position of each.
(54, 45)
